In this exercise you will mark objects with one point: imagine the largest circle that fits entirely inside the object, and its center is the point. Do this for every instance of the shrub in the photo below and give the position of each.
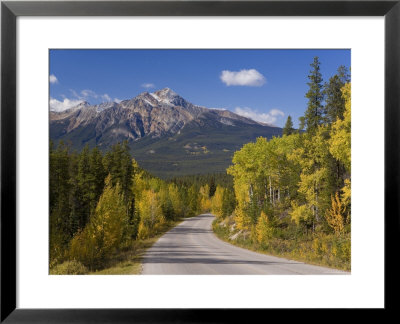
(69, 268)
(336, 215)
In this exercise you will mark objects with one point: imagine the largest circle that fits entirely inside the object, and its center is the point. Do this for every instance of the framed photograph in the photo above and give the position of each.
(164, 158)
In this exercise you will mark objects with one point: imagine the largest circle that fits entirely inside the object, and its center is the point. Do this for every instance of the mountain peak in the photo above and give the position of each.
(166, 93)
(169, 97)
(83, 104)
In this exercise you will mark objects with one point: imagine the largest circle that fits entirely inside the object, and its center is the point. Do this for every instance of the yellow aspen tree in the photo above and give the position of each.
(335, 216)
(340, 146)
(177, 203)
(264, 229)
(205, 201)
(150, 212)
(216, 201)
(300, 213)
(340, 142)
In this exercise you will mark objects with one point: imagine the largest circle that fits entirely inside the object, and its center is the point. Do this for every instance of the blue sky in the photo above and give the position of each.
(267, 85)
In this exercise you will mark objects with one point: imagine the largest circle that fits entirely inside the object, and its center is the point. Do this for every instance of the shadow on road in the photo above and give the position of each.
(171, 258)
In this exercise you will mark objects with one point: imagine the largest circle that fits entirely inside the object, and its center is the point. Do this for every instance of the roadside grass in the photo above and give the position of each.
(328, 250)
(128, 260)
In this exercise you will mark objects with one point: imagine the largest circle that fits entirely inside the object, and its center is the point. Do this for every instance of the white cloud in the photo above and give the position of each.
(148, 85)
(57, 105)
(268, 118)
(53, 79)
(117, 100)
(86, 95)
(106, 97)
(89, 93)
(276, 112)
(251, 78)
(74, 93)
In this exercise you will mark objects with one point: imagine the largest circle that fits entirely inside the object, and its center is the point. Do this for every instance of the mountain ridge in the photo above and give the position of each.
(167, 134)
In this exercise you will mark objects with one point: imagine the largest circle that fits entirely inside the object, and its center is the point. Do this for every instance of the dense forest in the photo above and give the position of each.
(287, 196)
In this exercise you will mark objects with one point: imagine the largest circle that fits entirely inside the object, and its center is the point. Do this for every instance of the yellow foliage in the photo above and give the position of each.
(335, 216)
(143, 231)
(216, 201)
(300, 212)
(149, 207)
(263, 228)
(205, 201)
(106, 231)
(340, 142)
(176, 200)
(242, 220)
(69, 268)
(316, 245)
(346, 196)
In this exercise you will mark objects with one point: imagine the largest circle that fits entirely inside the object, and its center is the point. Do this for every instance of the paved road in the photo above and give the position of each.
(192, 248)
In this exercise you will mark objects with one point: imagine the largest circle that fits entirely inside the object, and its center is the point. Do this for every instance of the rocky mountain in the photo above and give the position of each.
(167, 134)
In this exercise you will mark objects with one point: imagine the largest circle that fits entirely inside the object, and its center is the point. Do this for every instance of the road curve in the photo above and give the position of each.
(192, 248)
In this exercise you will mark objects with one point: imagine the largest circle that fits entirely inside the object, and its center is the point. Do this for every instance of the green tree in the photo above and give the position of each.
(85, 181)
(193, 200)
(334, 101)
(228, 202)
(212, 187)
(314, 115)
(60, 223)
(118, 163)
(166, 203)
(98, 173)
(288, 129)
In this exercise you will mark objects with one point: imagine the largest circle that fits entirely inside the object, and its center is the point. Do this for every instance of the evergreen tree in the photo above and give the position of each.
(334, 101)
(228, 202)
(344, 74)
(74, 194)
(84, 181)
(97, 172)
(193, 200)
(212, 187)
(118, 163)
(288, 129)
(59, 208)
(315, 110)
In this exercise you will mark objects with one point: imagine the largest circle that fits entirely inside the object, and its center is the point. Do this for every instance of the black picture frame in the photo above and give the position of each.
(11, 10)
